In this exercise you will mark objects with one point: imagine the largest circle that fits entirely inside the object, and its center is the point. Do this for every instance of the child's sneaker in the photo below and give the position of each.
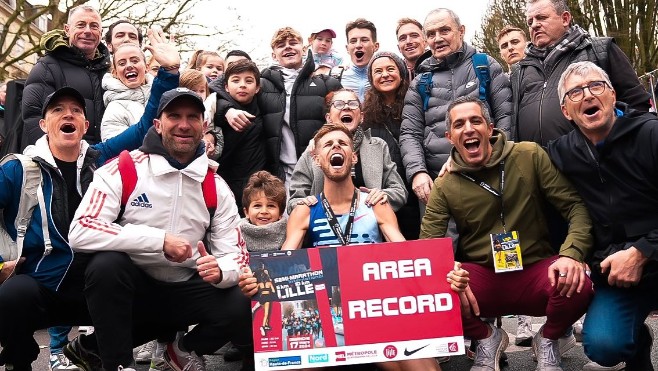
(59, 362)
(183, 361)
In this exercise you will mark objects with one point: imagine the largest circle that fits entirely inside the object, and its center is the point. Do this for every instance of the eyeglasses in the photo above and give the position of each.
(351, 104)
(578, 93)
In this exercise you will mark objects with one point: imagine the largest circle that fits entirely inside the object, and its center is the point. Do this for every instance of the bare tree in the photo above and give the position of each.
(176, 16)
(633, 24)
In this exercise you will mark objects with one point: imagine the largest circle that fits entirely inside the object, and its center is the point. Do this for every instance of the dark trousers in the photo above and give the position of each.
(119, 295)
(27, 306)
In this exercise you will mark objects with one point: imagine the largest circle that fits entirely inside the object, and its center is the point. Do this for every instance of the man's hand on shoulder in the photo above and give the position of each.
(625, 267)
(569, 275)
(176, 249)
(239, 120)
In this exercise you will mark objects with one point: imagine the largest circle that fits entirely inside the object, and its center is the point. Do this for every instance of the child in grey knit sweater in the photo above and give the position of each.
(264, 199)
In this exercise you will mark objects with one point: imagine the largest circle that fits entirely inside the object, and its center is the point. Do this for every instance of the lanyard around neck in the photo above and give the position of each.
(491, 190)
(343, 237)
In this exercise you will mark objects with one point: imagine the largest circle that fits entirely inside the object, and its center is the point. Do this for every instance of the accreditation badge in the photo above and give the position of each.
(506, 250)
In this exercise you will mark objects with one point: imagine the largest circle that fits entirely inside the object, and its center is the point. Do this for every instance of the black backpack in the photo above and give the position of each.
(12, 129)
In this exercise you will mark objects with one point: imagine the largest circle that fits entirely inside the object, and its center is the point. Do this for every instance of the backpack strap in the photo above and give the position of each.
(337, 72)
(481, 67)
(128, 174)
(210, 197)
(424, 88)
(128, 179)
(31, 196)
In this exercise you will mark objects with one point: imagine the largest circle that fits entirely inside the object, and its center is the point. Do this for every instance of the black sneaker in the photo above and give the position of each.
(86, 359)
(232, 354)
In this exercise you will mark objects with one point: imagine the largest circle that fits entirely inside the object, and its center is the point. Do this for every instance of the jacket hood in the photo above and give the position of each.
(450, 61)
(501, 147)
(41, 150)
(116, 90)
(56, 42)
(630, 125)
(153, 145)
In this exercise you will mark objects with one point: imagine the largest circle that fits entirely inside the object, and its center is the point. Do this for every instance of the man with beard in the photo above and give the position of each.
(342, 208)
(150, 251)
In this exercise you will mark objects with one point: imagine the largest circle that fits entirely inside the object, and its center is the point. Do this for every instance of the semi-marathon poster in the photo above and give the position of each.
(356, 304)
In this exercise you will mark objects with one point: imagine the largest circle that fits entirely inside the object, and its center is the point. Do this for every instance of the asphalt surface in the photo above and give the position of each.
(520, 359)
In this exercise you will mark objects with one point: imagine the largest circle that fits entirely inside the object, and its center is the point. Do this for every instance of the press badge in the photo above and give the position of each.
(506, 252)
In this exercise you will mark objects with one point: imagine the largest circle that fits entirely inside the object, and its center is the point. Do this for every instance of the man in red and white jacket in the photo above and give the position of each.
(151, 273)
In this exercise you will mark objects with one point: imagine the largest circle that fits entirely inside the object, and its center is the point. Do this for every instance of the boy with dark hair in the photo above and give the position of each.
(244, 150)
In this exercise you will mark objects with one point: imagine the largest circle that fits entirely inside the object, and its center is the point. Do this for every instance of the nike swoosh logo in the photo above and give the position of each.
(359, 217)
(410, 352)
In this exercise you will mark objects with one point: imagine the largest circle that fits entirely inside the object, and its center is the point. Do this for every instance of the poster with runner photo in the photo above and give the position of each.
(356, 304)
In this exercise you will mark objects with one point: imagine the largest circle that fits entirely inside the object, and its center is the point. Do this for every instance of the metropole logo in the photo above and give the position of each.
(390, 351)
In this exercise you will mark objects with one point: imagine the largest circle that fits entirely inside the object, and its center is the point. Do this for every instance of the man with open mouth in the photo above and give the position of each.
(497, 191)
(611, 159)
(47, 288)
(341, 217)
(362, 43)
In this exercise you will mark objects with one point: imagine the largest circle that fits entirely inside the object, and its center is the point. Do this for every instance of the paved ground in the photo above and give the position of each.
(520, 359)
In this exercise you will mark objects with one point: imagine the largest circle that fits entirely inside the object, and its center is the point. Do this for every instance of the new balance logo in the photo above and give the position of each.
(142, 201)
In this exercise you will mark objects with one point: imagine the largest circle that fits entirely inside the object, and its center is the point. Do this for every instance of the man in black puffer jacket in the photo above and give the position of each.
(557, 43)
(291, 100)
(74, 57)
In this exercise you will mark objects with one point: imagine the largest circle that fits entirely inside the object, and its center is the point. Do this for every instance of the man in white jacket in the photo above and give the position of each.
(151, 273)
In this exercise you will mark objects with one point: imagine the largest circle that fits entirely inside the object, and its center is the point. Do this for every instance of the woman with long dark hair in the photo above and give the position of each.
(382, 111)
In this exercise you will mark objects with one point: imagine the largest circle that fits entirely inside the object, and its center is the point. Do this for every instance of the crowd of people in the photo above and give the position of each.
(157, 181)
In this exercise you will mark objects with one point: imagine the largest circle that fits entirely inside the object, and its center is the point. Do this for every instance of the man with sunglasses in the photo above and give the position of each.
(612, 159)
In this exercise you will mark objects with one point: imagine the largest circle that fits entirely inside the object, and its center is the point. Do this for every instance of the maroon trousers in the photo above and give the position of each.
(526, 292)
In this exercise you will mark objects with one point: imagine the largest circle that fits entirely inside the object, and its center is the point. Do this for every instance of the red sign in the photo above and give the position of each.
(355, 304)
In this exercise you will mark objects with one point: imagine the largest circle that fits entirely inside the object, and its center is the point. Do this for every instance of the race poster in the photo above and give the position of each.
(371, 303)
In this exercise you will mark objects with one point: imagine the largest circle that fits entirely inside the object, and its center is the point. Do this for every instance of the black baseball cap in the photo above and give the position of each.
(178, 93)
(66, 91)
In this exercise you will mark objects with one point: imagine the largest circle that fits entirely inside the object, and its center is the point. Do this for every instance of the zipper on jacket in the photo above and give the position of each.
(541, 106)
(598, 167)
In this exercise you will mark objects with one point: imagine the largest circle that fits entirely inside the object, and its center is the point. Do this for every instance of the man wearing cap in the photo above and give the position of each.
(151, 252)
(47, 288)
(324, 56)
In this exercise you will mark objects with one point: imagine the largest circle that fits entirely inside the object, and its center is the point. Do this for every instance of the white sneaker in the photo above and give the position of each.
(548, 353)
(524, 333)
(145, 352)
(120, 368)
(59, 362)
(593, 366)
(566, 343)
(489, 350)
(183, 361)
(87, 330)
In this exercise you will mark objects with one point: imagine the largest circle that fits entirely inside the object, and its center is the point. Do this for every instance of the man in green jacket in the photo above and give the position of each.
(496, 193)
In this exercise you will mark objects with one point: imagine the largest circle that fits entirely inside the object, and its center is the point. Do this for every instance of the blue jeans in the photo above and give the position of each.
(614, 320)
(59, 337)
